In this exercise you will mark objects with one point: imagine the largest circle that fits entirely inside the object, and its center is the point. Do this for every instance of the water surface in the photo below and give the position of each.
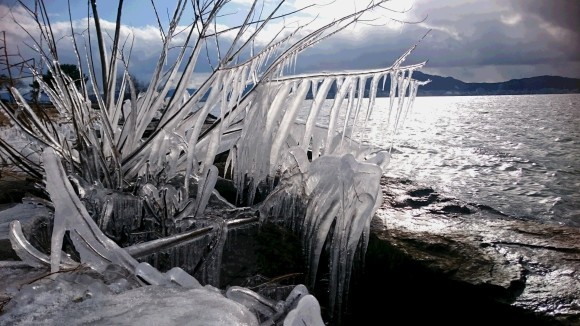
(518, 154)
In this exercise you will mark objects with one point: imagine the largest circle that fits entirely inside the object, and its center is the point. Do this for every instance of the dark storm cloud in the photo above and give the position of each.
(524, 33)
(559, 14)
(562, 13)
(471, 40)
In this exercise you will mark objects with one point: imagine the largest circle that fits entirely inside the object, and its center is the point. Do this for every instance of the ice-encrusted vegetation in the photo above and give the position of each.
(147, 165)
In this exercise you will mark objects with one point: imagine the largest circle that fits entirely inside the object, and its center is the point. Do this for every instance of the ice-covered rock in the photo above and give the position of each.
(85, 300)
(307, 312)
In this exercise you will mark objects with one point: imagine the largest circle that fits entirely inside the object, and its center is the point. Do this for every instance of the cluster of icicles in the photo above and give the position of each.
(333, 195)
(266, 140)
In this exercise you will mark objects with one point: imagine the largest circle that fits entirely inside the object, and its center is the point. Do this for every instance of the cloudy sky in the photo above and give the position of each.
(471, 40)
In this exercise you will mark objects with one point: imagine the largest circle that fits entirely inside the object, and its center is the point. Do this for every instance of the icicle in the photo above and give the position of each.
(351, 100)
(403, 84)
(334, 111)
(107, 212)
(212, 265)
(392, 94)
(276, 108)
(269, 53)
(373, 94)
(235, 96)
(192, 143)
(327, 190)
(295, 60)
(315, 87)
(361, 95)
(410, 98)
(313, 114)
(249, 154)
(287, 121)
(384, 81)
(230, 161)
(253, 72)
(204, 190)
(318, 139)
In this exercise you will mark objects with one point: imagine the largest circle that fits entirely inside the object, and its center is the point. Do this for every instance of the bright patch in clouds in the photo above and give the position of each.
(511, 20)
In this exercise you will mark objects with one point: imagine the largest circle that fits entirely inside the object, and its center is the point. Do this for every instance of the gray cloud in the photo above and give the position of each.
(562, 13)
(471, 40)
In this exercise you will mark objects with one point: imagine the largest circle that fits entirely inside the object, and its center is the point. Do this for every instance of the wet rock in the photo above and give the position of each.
(528, 266)
(453, 208)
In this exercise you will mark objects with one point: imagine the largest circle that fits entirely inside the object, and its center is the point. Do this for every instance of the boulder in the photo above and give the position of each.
(522, 269)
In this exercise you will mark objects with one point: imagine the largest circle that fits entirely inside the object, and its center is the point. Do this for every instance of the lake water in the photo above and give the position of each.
(517, 154)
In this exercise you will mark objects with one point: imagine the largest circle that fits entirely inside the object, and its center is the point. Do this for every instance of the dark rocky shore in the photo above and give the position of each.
(430, 259)
(434, 259)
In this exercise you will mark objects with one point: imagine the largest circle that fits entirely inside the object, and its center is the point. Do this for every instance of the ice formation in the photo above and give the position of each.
(108, 301)
(141, 172)
(79, 299)
(334, 199)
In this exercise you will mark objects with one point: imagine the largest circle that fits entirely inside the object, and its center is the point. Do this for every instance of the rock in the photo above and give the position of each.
(530, 268)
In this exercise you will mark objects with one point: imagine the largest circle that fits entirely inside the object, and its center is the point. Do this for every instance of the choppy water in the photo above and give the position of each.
(518, 154)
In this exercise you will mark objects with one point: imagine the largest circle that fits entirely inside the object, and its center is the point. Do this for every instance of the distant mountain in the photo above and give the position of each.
(172, 91)
(533, 85)
(449, 86)
(445, 86)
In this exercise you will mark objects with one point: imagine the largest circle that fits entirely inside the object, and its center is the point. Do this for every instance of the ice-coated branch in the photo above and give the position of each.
(70, 214)
(158, 146)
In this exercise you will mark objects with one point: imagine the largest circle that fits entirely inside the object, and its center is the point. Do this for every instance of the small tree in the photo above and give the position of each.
(138, 85)
(6, 81)
(70, 70)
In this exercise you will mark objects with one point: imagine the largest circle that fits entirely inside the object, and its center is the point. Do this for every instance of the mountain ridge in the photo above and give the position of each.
(545, 84)
(449, 86)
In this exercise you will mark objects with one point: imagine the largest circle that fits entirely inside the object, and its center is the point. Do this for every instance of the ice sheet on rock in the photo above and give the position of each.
(29, 212)
(307, 312)
(180, 277)
(271, 312)
(63, 302)
(150, 274)
(380, 159)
